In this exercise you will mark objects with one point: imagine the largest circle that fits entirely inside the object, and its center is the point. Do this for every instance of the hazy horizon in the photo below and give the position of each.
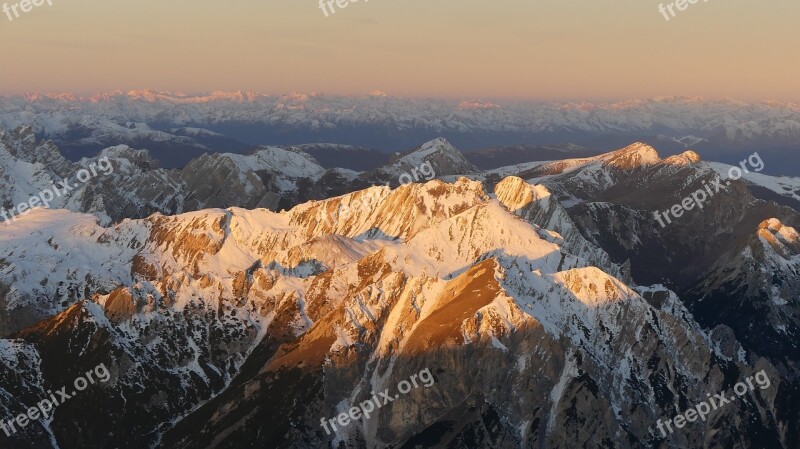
(87, 95)
(517, 50)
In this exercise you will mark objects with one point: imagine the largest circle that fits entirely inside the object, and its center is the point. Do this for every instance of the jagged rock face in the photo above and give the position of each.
(22, 144)
(136, 189)
(167, 362)
(758, 280)
(287, 318)
(218, 182)
(28, 166)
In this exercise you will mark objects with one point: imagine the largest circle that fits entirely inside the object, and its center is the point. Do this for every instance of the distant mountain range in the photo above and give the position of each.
(550, 306)
(271, 177)
(177, 127)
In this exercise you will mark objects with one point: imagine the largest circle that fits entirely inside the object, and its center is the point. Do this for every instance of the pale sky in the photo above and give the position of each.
(498, 49)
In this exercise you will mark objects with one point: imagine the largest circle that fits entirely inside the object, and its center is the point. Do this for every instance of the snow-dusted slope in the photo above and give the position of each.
(580, 179)
(538, 206)
(782, 185)
(285, 161)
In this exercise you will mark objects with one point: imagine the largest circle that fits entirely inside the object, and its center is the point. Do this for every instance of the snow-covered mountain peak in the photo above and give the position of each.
(426, 150)
(289, 161)
(688, 157)
(635, 156)
(575, 180)
(784, 240)
(516, 194)
(438, 144)
(443, 157)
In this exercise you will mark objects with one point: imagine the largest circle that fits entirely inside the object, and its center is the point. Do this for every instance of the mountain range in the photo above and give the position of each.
(178, 127)
(236, 306)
